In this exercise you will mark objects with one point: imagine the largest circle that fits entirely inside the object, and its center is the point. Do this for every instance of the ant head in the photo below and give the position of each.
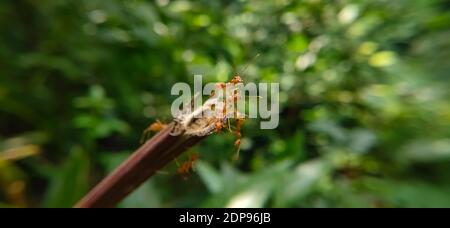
(236, 79)
(194, 157)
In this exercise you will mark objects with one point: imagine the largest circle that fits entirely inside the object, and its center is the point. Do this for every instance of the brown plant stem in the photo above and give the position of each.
(141, 165)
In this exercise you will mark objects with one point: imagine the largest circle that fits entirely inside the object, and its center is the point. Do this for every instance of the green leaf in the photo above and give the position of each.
(300, 182)
(210, 177)
(71, 182)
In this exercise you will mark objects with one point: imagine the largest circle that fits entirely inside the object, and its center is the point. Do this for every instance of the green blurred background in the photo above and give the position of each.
(365, 116)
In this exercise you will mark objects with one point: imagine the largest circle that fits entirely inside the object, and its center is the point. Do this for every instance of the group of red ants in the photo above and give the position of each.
(188, 165)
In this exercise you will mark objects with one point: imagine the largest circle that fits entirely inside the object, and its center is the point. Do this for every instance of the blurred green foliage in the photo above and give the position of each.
(365, 117)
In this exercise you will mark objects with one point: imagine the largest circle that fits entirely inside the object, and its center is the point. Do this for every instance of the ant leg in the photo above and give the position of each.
(144, 136)
(177, 163)
(236, 156)
(160, 172)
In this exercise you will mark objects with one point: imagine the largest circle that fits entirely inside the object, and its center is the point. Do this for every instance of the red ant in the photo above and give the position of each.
(236, 79)
(237, 143)
(219, 126)
(221, 85)
(188, 165)
(239, 121)
(154, 127)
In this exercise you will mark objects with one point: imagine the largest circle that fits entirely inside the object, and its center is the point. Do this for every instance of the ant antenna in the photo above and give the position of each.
(248, 64)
